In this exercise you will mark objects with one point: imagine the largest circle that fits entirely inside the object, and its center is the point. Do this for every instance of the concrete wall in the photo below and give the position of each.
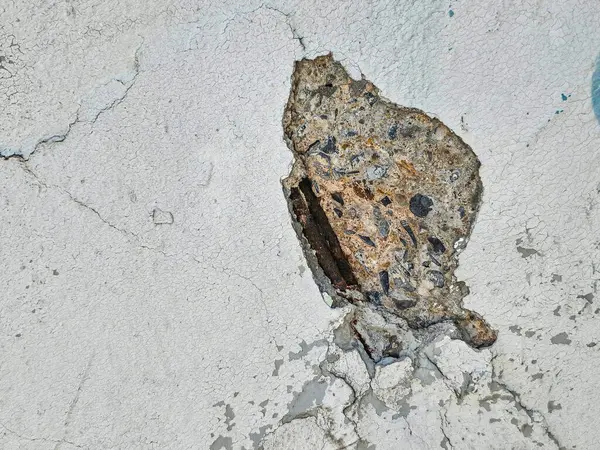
(153, 292)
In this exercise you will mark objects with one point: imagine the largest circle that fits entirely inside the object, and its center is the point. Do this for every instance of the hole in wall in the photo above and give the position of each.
(383, 199)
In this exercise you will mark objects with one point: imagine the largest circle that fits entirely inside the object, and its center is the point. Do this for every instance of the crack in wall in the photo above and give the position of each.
(288, 21)
(532, 413)
(129, 235)
(39, 439)
(61, 136)
(392, 398)
(69, 415)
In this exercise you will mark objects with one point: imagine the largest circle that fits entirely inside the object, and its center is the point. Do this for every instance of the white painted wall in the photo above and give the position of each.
(117, 332)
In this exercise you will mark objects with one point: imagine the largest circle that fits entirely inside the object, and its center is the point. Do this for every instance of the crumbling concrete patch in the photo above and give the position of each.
(383, 198)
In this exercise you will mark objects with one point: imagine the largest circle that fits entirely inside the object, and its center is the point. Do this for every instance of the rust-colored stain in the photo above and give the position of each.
(386, 196)
(407, 167)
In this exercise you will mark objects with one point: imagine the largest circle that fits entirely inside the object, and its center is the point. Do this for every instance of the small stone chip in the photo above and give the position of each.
(384, 279)
(420, 205)
(338, 198)
(329, 146)
(409, 231)
(385, 201)
(438, 246)
(367, 240)
(393, 131)
(437, 278)
(160, 217)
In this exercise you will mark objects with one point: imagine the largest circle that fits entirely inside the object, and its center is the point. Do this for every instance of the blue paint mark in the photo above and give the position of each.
(564, 97)
(596, 90)
(450, 13)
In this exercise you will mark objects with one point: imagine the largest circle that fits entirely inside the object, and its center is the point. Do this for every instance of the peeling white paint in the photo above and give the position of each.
(203, 333)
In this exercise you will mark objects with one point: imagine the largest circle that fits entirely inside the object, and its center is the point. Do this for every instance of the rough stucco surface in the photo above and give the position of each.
(154, 294)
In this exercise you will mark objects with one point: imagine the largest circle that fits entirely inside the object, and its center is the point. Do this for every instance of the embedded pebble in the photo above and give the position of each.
(420, 205)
